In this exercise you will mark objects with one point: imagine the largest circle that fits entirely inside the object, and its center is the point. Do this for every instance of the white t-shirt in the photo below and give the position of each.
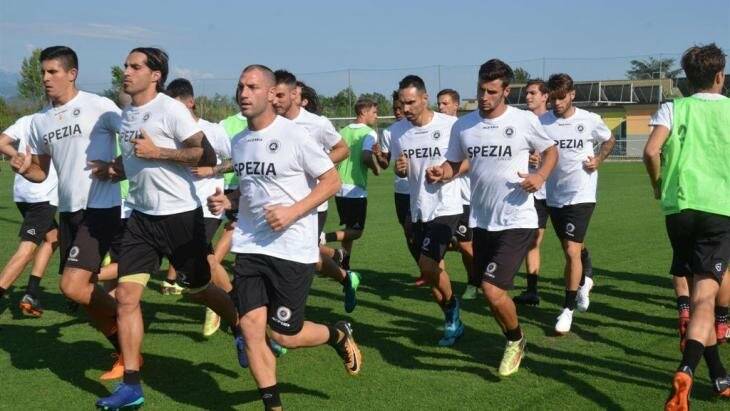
(665, 114)
(351, 190)
(540, 194)
(400, 184)
(277, 165)
(465, 187)
(74, 134)
(497, 149)
(323, 132)
(574, 137)
(158, 187)
(424, 147)
(221, 143)
(25, 191)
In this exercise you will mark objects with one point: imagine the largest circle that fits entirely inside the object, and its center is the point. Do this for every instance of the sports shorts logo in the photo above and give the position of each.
(580, 128)
(436, 135)
(76, 112)
(718, 268)
(509, 131)
(283, 313)
(274, 146)
(73, 253)
(146, 117)
(491, 267)
(569, 228)
(31, 231)
(426, 243)
(462, 229)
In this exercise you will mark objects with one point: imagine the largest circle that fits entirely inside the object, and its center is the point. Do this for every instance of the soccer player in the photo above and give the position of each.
(497, 140)
(401, 193)
(352, 198)
(448, 103)
(321, 129)
(207, 180)
(536, 97)
(571, 188)
(421, 141)
(686, 159)
(159, 141)
(76, 132)
(283, 176)
(37, 203)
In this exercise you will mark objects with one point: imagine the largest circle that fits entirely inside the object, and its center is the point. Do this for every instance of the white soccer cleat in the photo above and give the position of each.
(565, 320)
(583, 299)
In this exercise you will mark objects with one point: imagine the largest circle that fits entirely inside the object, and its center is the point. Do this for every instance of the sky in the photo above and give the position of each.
(378, 41)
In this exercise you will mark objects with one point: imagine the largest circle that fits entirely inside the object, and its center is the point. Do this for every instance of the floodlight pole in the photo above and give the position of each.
(349, 93)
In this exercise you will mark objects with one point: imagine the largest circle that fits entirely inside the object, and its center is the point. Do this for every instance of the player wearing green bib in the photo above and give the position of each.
(351, 199)
(686, 158)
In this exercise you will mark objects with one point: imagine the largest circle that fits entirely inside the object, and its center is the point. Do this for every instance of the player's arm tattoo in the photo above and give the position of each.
(197, 151)
(606, 148)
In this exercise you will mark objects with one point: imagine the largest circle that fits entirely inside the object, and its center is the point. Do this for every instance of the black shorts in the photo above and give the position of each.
(463, 232)
(85, 236)
(700, 243)
(321, 220)
(231, 215)
(435, 236)
(542, 213)
(117, 241)
(211, 226)
(352, 212)
(402, 207)
(571, 222)
(179, 237)
(498, 255)
(38, 220)
(282, 286)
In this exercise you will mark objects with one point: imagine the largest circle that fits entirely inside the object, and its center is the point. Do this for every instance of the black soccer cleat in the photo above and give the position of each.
(527, 298)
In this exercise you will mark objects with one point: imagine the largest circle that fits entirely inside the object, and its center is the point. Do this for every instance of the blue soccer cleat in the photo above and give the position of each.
(453, 327)
(124, 397)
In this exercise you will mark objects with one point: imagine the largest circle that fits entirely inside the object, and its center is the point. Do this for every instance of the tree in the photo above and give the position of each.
(521, 75)
(652, 68)
(341, 105)
(30, 85)
(117, 84)
(385, 106)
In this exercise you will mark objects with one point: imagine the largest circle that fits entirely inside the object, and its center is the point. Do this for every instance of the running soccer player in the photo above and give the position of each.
(401, 192)
(283, 176)
(536, 97)
(37, 203)
(207, 180)
(76, 132)
(421, 141)
(352, 198)
(497, 140)
(571, 188)
(686, 159)
(448, 103)
(321, 129)
(159, 141)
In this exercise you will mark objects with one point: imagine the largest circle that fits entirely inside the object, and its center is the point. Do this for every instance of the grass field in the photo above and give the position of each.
(620, 355)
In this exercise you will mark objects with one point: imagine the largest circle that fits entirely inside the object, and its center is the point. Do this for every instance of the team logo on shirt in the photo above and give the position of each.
(60, 133)
(491, 268)
(509, 131)
(580, 128)
(76, 112)
(146, 117)
(283, 313)
(436, 135)
(273, 146)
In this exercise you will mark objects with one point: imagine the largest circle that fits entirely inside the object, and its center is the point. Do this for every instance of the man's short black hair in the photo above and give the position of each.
(412, 80)
(285, 77)
(496, 69)
(64, 54)
(310, 94)
(451, 93)
(157, 60)
(180, 87)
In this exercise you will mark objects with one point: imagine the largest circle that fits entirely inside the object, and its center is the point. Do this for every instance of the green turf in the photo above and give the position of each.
(620, 355)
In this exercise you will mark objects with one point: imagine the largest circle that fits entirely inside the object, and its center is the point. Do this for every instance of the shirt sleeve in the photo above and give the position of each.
(369, 141)
(111, 117)
(385, 140)
(330, 136)
(313, 160)
(181, 123)
(222, 142)
(395, 146)
(600, 133)
(20, 130)
(455, 152)
(663, 116)
(537, 137)
(35, 140)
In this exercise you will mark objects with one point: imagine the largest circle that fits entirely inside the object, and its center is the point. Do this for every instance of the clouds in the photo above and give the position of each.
(86, 30)
(190, 73)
